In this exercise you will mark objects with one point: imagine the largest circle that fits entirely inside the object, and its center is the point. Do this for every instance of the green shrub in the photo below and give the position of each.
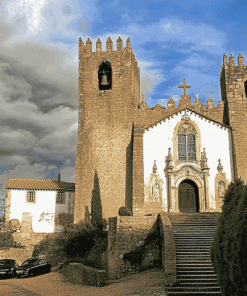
(80, 241)
(6, 234)
(7, 241)
(229, 249)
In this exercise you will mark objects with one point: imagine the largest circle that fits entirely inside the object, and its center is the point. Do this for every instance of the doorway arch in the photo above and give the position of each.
(188, 196)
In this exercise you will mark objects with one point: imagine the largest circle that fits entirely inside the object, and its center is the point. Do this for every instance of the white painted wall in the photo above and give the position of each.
(214, 139)
(45, 203)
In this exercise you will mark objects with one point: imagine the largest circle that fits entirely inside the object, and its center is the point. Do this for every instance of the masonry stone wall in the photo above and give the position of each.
(124, 234)
(27, 241)
(232, 79)
(105, 126)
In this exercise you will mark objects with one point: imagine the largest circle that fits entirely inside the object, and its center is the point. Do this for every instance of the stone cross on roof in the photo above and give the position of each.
(184, 86)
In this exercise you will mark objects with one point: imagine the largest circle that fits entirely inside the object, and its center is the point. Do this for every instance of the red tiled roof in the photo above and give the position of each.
(39, 184)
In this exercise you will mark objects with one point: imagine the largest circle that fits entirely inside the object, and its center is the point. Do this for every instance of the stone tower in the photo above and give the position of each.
(233, 81)
(109, 94)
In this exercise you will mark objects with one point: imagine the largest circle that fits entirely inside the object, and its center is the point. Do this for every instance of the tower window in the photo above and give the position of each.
(245, 88)
(186, 143)
(105, 76)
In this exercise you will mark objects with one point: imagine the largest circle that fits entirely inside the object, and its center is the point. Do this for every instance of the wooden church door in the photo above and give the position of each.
(188, 197)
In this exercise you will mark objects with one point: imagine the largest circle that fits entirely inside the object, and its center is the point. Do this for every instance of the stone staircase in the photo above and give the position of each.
(193, 235)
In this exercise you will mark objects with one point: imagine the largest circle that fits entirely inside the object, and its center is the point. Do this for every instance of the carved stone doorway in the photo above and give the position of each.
(188, 197)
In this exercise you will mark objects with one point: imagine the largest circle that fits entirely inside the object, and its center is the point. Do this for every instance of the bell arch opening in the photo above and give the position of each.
(188, 196)
(105, 76)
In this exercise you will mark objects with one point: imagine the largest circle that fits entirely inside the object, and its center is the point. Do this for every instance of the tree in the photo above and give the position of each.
(229, 249)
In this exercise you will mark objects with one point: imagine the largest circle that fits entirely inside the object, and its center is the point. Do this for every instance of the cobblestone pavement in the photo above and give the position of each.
(52, 284)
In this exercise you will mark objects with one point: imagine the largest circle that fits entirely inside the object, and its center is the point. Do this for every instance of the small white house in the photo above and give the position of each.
(41, 206)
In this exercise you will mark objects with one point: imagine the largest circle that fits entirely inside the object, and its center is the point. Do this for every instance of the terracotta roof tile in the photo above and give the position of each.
(39, 184)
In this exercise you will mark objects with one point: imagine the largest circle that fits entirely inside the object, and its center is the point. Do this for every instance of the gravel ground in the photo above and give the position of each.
(150, 282)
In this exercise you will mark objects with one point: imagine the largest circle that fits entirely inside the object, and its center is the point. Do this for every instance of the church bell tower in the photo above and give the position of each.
(109, 94)
(233, 82)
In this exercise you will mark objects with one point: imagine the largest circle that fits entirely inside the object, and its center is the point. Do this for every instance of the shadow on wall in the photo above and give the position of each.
(129, 174)
(96, 206)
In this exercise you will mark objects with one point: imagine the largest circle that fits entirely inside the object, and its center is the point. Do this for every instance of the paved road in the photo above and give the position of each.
(52, 284)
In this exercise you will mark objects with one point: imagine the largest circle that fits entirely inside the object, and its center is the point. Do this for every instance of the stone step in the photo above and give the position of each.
(194, 264)
(197, 276)
(193, 293)
(193, 232)
(193, 289)
(195, 268)
(200, 284)
(190, 260)
(205, 224)
(192, 247)
(197, 253)
(191, 251)
(186, 280)
(193, 235)
(188, 243)
(192, 228)
(197, 292)
(196, 272)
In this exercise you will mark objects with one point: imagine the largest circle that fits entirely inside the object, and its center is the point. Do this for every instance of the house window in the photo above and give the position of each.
(60, 197)
(31, 196)
(186, 142)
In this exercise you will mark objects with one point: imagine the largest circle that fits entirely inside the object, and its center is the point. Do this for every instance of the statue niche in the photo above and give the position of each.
(153, 192)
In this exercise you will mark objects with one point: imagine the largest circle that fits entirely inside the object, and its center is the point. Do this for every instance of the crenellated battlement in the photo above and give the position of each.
(231, 69)
(87, 47)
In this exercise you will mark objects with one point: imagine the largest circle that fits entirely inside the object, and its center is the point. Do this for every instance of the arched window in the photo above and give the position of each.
(105, 76)
(245, 88)
(186, 142)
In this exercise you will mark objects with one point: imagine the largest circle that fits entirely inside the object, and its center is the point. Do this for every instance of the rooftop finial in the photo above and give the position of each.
(204, 159)
(169, 159)
(219, 167)
(155, 167)
(171, 103)
(210, 103)
(59, 177)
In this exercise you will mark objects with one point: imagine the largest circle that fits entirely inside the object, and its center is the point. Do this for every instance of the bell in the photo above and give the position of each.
(104, 79)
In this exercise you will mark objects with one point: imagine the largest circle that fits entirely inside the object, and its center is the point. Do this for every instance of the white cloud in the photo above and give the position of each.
(202, 36)
(149, 79)
(174, 30)
(31, 10)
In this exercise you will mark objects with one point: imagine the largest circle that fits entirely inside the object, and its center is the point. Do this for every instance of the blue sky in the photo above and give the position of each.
(172, 40)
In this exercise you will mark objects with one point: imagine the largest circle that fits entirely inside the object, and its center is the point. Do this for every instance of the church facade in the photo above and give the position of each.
(150, 160)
